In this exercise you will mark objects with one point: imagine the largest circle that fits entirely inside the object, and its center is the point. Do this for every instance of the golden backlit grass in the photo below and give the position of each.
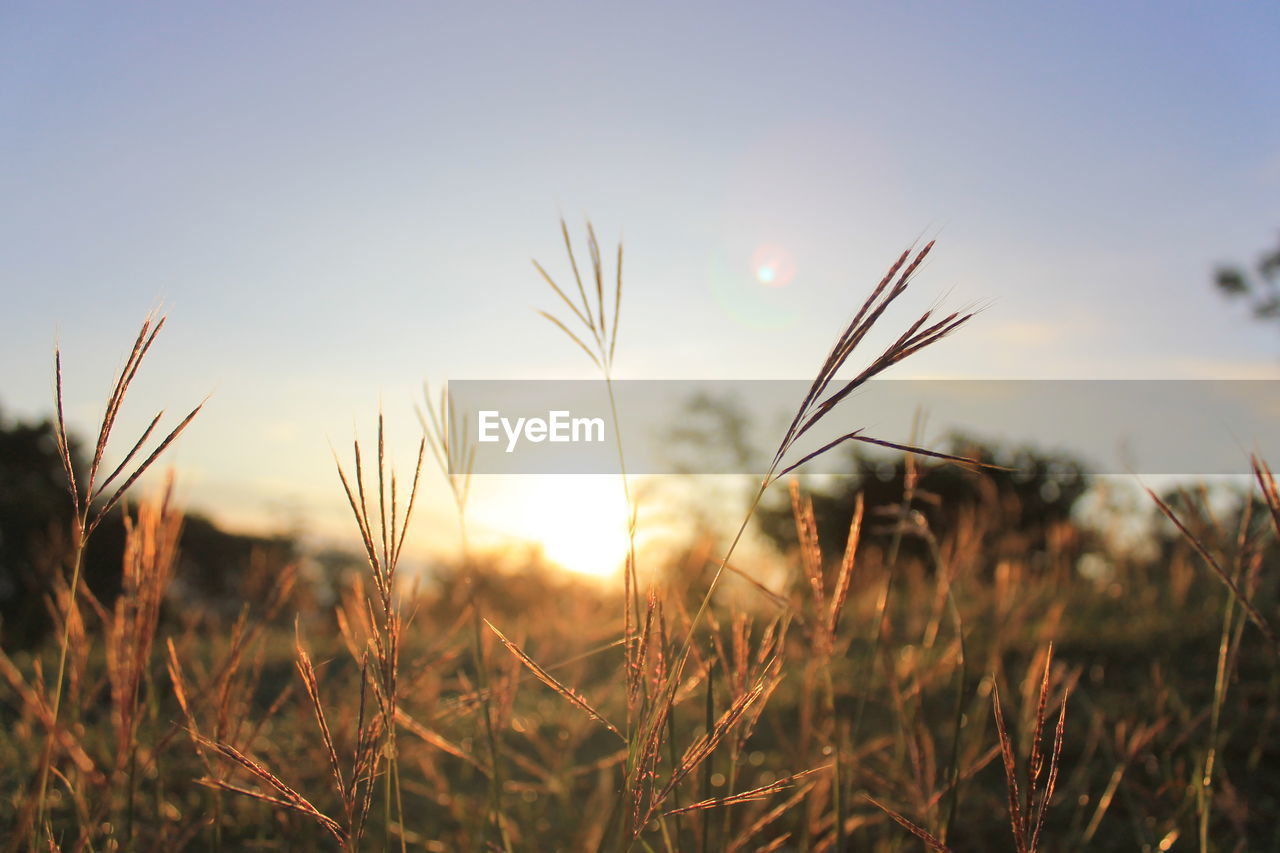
(876, 699)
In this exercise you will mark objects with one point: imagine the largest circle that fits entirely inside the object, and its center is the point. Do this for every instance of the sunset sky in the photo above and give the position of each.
(335, 202)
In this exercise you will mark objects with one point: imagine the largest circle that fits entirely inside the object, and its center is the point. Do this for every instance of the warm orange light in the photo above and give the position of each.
(580, 521)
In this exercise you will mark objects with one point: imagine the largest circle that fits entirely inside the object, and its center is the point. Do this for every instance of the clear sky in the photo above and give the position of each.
(334, 202)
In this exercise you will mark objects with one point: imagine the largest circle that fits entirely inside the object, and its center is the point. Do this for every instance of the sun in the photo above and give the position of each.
(580, 522)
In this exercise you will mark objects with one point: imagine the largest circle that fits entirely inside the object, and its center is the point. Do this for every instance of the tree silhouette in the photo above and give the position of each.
(1017, 508)
(1260, 288)
(35, 521)
(35, 512)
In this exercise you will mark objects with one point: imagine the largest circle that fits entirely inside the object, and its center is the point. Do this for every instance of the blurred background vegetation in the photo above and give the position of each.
(963, 578)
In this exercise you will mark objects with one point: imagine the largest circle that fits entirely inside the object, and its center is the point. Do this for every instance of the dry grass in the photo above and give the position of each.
(848, 707)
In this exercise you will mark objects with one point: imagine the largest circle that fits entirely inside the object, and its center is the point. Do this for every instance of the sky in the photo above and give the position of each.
(335, 202)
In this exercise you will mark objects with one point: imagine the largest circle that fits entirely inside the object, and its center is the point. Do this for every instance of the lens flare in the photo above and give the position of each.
(751, 288)
(773, 265)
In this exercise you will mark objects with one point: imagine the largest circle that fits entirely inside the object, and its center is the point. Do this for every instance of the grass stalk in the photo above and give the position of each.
(91, 502)
(445, 430)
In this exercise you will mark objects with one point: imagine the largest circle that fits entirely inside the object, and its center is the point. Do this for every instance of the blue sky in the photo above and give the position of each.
(334, 202)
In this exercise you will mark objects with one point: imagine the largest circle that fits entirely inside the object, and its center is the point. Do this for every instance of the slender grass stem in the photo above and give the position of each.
(82, 522)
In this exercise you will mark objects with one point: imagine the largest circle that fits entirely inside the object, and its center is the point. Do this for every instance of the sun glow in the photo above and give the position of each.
(580, 522)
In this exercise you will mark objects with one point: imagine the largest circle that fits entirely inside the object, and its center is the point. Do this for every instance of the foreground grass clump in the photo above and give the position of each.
(880, 698)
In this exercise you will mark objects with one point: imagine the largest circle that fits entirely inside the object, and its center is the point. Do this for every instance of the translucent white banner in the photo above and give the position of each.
(1180, 427)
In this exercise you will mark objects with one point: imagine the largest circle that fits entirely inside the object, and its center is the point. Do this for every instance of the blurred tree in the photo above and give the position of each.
(715, 430)
(1261, 288)
(35, 513)
(35, 522)
(226, 571)
(1015, 511)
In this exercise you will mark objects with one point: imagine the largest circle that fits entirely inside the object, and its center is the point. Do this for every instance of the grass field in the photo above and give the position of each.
(974, 693)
